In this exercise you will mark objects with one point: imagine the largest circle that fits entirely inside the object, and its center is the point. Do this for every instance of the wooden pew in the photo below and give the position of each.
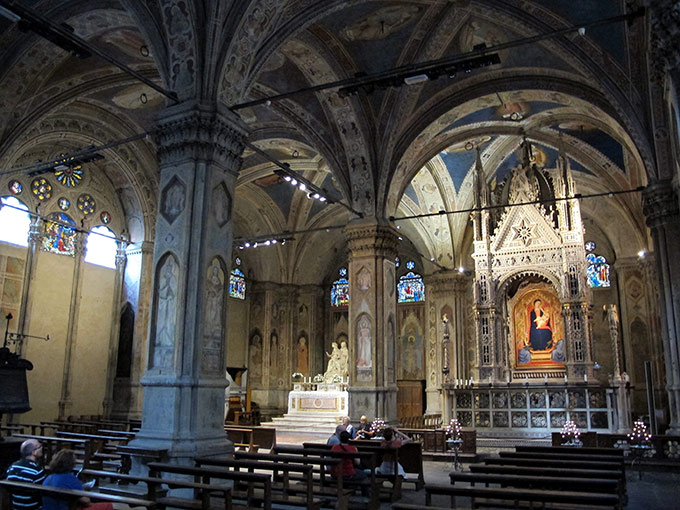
(394, 478)
(600, 485)
(564, 464)
(263, 437)
(73, 495)
(305, 471)
(586, 458)
(254, 481)
(103, 448)
(372, 485)
(51, 446)
(410, 458)
(202, 492)
(242, 437)
(513, 497)
(569, 450)
(145, 455)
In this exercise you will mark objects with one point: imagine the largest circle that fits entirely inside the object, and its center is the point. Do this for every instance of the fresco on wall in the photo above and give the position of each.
(255, 359)
(166, 312)
(214, 317)
(538, 329)
(302, 356)
(411, 346)
(364, 336)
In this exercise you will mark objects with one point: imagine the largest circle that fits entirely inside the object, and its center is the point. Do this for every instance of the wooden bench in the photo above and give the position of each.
(372, 485)
(277, 468)
(513, 497)
(569, 450)
(202, 492)
(586, 458)
(145, 455)
(262, 437)
(600, 485)
(259, 485)
(73, 495)
(379, 451)
(564, 464)
(410, 458)
(51, 446)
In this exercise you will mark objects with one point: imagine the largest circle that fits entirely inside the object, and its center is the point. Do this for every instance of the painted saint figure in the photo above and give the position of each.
(364, 359)
(540, 329)
(302, 365)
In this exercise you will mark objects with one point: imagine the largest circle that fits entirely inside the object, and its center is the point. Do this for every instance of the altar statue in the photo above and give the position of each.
(334, 364)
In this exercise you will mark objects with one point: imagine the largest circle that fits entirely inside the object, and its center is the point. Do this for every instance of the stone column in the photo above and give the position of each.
(446, 294)
(107, 404)
(372, 319)
(199, 149)
(34, 237)
(660, 205)
(72, 331)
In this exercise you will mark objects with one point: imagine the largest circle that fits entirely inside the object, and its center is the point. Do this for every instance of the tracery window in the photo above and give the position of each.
(60, 234)
(410, 288)
(237, 281)
(101, 247)
(340, 289)
(14, 222)
(597, 272)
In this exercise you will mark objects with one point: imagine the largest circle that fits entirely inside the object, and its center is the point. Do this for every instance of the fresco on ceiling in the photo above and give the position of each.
(611, 37)
(597, 139)
(458, 163)
(505, 111)
(279, 191)
(381, 23)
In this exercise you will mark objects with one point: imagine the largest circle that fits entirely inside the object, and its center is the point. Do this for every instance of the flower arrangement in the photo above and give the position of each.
(318, 378)
(571, 433)
(454, 429)
(378, 426)
(639, 435)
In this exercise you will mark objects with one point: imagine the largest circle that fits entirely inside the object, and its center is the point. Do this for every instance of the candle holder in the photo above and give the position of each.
(572, 434)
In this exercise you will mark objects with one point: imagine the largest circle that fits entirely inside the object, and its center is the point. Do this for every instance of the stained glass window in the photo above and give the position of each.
(237, 284)
(86, 204)
(41, 188)
(15, 187)
(69, 176)
(590, 246)
(410, 288)
(101, 247)
(64, 203)
(340, 290)
(60, 234)
(597, 271)
(397, 261)
(14, 223)
(105, 217)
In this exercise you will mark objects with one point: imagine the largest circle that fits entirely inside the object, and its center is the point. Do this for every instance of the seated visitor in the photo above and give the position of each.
(351, 469)
(349, 427)
(335, 438)
(390, 441)
(364, 430)
(27, 469)
(62, 477)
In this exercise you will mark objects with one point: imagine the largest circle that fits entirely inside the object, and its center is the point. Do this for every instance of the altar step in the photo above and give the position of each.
(310, 426)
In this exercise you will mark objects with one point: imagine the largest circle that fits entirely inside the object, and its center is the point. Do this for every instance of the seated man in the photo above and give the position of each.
(349, 427)
(364, 430)
(335, 438)
(27, 469)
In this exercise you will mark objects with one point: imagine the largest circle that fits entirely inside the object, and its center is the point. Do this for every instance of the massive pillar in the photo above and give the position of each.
(199, 149)
(663, 218)
(372, 319)
(446, 295)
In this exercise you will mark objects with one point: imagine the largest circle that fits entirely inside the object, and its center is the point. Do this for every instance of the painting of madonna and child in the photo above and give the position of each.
(538, 328)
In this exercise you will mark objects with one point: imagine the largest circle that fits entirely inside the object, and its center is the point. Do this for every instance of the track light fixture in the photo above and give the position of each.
(294, 179)
(242, 244)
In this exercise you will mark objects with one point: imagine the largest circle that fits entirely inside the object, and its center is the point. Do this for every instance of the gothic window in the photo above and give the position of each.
(101, 247)
(237, 281)
(340, 289)
(14, 222)
(597, 271)
(410, 288)
(60, 234)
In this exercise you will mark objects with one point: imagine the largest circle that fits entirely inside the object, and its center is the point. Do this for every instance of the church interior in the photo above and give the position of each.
(477, 198)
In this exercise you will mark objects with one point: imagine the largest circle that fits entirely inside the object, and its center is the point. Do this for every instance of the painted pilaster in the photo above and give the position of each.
(372, 319)
(660, 205)
(72, 331)
(34, 237)
(107, 404)
(199, 152)
(446, 295)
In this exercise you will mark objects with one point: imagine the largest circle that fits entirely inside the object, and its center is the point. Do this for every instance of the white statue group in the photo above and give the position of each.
(338, 364)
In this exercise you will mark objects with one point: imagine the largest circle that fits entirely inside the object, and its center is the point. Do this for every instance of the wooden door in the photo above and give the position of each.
(409, 398)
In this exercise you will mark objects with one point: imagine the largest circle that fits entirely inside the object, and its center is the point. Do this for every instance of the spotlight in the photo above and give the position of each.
(267, 243)
(302, 186)
(461, 270)
(398, 227)
(322, 199)
(293, 182)
(247, 245)
(283, 241)
(400, 238)
(412, 80)
(240, 247)
(274, 241)
(642, 254)
(309, 195)
(287, 178)
(431, 259)
(316, 195)
(254, 245)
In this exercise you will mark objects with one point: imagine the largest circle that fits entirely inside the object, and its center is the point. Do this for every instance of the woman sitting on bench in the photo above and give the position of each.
(389, 441)
(351, 469)
(62, 477)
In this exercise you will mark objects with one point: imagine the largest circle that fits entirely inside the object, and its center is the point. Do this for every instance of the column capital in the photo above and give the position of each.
(444, 282)
(372, 236)
(665, 36)
(198, 131)
(660, 204)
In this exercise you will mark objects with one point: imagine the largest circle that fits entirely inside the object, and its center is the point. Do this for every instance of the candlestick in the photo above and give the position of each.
(585, 377)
